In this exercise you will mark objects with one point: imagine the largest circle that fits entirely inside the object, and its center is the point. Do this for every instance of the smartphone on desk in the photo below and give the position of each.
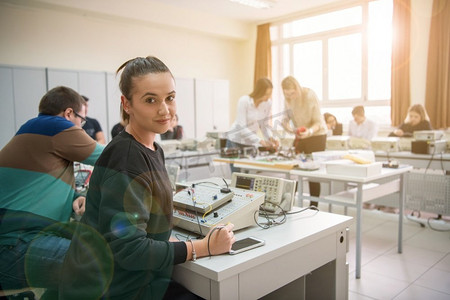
(245, 244)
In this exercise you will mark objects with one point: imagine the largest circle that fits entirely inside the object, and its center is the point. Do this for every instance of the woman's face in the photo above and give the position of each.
(331, 122)
(153, 103)
(264, 98)
(414, 118)
(267, 95)
(290, 94)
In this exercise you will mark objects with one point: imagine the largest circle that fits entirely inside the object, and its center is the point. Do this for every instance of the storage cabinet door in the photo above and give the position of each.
(93, 86)
(29, 87)
(186, 105)
(7, 120)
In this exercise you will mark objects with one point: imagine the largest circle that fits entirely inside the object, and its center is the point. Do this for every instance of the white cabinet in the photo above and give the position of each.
(202, 104)
(185, 99)
(113, 101)
(7, 118)
(89, 84)
(211, 106)
(22, 89)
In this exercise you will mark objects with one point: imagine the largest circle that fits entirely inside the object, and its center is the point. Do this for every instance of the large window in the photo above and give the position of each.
(344, 55)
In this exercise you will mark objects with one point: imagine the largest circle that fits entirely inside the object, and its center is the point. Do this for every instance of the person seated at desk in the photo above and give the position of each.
(92, 126)
(37, 192)
(253, 115)
(334, 128)
(175, 131)
(118, 128)
(360, 126)
(122, 247)
(416, 120)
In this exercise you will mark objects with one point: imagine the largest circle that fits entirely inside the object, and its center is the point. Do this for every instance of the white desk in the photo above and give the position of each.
(191, 160)
(434, 162)
(357, 197)
(308, 242)
(259, 165)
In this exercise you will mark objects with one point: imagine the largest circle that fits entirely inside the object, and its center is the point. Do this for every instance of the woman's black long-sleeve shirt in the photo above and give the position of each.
(121, 244)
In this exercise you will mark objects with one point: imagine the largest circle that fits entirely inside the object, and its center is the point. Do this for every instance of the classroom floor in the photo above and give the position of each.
(422, 271)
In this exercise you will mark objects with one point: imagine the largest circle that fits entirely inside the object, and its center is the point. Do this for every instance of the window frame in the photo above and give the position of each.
(324, 36)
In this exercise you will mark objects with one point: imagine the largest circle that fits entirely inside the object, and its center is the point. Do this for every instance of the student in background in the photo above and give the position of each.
(303, 118)
(122, 247)
(118, 128)
(92, 126)
(37, 195)
(416, 120)
(175, 131)
(334, 128)
(254, 113)
(360, 126)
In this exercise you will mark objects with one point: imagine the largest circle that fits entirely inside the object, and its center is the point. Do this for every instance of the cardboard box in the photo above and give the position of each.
(349, 168)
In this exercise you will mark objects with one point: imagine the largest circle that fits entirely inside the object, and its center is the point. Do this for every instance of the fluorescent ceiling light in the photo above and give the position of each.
(255, 3)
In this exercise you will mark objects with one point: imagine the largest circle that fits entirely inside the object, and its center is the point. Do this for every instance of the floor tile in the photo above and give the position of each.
(376, 286)
(444, 264)
(415, 292)
(429, 239)
(435, 279)
(356, 296)
(422, 256)
(395, 269)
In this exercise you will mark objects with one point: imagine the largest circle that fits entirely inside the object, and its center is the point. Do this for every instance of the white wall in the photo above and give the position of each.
(99, 38)
(97, 35)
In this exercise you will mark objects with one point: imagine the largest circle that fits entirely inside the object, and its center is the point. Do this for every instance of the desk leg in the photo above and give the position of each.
(341, 276)
(358, 229)
(300, 191)
(401, 200)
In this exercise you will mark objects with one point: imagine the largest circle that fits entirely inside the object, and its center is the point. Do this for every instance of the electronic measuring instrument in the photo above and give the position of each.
(199, 208)
(280, 193)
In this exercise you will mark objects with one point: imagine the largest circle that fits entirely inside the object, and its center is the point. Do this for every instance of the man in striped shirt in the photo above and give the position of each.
(37, 191)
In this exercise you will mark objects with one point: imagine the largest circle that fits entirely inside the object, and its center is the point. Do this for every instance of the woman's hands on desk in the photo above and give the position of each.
(79, 205)
(270, 144)
(218, 241)
(398, 132)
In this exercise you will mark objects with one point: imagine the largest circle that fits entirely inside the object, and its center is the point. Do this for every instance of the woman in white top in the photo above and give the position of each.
(253, 116)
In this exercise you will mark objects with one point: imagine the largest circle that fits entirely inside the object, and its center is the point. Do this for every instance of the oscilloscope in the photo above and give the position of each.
(279, 192)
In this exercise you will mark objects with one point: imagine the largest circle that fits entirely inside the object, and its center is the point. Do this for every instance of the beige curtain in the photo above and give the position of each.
(263, 56)
(400, 86)
(437, 100)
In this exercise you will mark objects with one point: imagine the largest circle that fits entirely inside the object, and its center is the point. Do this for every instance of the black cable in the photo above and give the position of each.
(272, 217)
(431, 159)
(198, 221)
(209, 237)
(204, 182)
(225, 181)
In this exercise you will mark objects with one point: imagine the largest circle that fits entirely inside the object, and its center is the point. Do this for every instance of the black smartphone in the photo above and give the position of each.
(245, 244)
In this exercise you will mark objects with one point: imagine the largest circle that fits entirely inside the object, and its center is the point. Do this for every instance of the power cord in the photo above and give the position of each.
(210, 234)
(272, 218)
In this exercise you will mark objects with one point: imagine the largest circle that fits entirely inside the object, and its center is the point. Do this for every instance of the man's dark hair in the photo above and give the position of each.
(59, 99)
